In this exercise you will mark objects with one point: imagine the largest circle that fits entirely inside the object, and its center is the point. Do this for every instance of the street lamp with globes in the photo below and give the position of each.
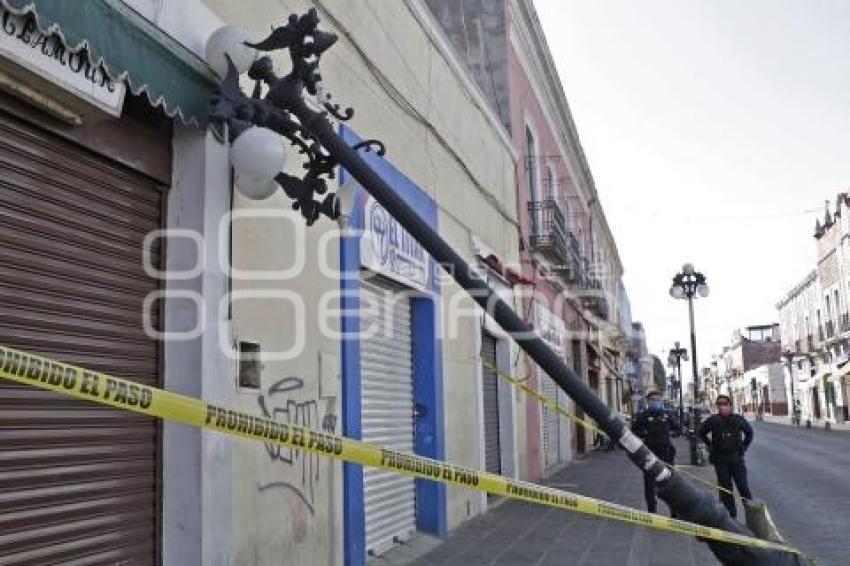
(689, 284)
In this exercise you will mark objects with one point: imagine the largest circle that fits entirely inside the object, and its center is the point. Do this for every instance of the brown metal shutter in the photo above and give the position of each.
(78, 483)
(490, 398)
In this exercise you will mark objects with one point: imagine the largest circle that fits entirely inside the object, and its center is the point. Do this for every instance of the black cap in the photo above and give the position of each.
(651, 393)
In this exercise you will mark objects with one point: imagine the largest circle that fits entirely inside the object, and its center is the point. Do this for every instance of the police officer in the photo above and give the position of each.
(728, 436)
(653, 426)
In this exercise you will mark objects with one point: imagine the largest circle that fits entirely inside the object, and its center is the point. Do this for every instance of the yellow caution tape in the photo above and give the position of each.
(553, 406)
(105, 389)
(545, 401)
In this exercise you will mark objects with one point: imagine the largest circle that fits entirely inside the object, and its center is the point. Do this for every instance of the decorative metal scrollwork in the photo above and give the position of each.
(238, 111)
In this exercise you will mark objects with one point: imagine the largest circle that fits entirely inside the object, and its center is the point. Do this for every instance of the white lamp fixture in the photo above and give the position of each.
(258, 153)
(688, 269)
(703, 290)
(677, 292)
(229, 40)
(255, 189)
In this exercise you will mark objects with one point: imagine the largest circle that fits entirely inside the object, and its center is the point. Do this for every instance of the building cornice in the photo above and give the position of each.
(807, 281)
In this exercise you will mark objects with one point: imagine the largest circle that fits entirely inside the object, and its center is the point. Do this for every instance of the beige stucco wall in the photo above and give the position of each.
(272, 498)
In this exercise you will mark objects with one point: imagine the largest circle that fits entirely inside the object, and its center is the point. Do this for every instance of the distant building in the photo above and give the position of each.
(815, 323)
(751, 348)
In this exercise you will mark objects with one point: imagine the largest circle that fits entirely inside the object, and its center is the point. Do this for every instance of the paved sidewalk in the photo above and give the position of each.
(517, 533)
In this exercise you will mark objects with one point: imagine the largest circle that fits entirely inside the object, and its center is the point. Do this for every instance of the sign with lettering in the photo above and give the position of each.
(45, 55)
(551, 329)
(388, 249)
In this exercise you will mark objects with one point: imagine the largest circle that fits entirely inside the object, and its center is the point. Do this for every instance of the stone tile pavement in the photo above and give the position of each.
(515, 533)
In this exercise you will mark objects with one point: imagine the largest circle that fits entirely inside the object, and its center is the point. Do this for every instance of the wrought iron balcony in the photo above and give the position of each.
(548, 230)
(550, 237)
(594, 298)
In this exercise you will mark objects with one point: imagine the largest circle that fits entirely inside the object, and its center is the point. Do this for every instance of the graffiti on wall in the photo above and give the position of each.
(280, 403)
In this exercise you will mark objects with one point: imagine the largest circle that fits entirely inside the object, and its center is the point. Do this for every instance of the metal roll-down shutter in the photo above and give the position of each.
(490, 397)
(386, 373)
(550, 422)
(78, 482)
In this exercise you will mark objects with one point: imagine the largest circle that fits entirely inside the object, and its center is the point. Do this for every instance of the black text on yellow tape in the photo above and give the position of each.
(105, 389)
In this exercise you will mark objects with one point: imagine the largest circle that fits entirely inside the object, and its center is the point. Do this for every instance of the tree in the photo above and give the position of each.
(659, 375)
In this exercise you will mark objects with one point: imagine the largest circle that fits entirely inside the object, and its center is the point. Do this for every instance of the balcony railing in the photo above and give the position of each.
(550, 237)
(548, 229)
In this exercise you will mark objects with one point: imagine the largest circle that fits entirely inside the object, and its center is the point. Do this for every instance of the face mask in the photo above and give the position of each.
(724, 410)
(656, 405)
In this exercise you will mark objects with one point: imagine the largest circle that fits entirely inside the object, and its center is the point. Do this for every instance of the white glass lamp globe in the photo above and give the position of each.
(703, 290)
(258, 153)
(229, 39)
(688, 268)
(255, 189)
(676, 292)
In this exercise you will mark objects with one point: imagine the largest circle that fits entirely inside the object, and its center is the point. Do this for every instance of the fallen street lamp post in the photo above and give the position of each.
(677, 354)
(688, 284)
(284, 110)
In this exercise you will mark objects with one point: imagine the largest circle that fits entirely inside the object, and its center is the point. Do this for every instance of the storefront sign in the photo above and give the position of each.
(48, 57)
(388, 249)
(550, 328)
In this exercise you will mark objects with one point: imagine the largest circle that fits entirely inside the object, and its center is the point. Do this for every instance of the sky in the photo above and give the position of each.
(715, 130)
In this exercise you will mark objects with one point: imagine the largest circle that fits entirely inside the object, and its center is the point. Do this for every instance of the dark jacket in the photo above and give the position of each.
(654, 427)
(727, 438)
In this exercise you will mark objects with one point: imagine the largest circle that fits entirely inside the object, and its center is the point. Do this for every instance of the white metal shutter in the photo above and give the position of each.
(386, 373)
(490, 395)
(550, 422)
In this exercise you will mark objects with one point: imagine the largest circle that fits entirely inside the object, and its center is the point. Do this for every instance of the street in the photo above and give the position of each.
(800, 473)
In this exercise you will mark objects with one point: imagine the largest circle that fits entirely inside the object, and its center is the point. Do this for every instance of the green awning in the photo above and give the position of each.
(131, 49)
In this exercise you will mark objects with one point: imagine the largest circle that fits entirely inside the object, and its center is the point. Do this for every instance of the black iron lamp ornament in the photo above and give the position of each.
(256, 155)
(263, 122)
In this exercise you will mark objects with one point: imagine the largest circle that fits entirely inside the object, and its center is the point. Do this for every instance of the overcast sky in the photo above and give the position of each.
(715, 130)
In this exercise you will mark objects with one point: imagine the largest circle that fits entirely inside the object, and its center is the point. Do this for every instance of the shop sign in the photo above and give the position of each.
(48, 57)
(388, 249)
(551, 329)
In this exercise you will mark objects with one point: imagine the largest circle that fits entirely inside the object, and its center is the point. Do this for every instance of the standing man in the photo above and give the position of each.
(728, 436)
(653, 426)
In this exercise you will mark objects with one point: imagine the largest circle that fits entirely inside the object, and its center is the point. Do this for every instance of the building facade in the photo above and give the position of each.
(816, 324)
(147, 260)
(751, 348)
(568, 257)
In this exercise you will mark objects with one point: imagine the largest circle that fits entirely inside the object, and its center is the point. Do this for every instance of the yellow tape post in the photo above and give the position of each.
(83, 384)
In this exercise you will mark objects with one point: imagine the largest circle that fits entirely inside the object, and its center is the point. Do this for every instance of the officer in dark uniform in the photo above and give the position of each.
(728, 435)
(653, 426)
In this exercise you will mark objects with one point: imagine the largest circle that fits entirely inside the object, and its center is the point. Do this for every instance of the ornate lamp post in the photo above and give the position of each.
(284, 111)
(689, 284)
(677, 354)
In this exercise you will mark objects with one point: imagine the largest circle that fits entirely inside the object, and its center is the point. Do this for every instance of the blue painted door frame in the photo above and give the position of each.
(427, 368)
